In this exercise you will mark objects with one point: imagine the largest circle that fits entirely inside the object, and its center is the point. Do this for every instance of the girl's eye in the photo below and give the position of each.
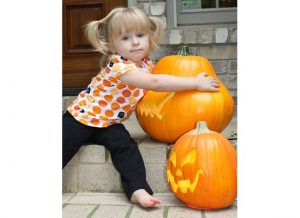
(125, 38)
(140, 35)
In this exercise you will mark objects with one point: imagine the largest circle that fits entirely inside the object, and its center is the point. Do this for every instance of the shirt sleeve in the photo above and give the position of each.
(118, 66)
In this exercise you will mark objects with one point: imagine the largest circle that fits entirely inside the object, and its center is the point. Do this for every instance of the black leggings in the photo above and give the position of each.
(124, 151)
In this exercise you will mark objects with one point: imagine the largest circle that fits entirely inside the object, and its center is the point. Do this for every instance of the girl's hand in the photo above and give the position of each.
(207, 83)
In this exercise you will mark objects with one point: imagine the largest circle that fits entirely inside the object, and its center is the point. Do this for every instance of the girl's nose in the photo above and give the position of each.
(135, 41)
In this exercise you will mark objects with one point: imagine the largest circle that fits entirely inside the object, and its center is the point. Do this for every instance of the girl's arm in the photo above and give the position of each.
(167, 83)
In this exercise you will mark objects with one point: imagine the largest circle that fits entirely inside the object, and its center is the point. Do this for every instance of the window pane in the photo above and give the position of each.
(191, 4)
(209, 3)
(198, 4)
(227, 3)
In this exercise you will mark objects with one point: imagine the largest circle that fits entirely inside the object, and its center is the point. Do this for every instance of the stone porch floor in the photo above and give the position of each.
(116, 205)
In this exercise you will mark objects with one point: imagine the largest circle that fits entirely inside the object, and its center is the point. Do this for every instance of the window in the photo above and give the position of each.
(195, 12)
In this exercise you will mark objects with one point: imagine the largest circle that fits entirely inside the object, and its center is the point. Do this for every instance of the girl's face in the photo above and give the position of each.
(133, 46)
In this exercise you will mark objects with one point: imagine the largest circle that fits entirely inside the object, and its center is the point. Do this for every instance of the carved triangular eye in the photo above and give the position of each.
(190, 158)
(173, 159)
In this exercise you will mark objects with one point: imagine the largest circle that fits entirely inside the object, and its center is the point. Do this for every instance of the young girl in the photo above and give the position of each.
(125, 37)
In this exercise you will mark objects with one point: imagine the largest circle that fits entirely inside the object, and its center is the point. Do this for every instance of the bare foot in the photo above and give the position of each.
(143, 198)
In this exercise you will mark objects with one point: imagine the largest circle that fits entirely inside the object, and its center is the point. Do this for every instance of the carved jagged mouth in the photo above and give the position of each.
(152, 106)
(184, 184)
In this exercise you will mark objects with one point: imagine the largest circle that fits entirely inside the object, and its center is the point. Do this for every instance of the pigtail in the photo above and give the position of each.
(96, 33)
(156, 28)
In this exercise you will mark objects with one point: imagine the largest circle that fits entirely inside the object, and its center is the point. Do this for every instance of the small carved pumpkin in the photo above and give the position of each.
(202, 169)
(165, 116)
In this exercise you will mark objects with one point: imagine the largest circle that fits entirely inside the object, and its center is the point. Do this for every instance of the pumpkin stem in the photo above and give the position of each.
(184, 51)
(201, 128)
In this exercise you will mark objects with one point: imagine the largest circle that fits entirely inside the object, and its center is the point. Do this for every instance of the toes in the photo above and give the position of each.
(150, 203)
(156, 201)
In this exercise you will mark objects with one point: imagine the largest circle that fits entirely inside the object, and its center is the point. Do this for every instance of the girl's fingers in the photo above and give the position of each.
(215, 83)
(215, 89)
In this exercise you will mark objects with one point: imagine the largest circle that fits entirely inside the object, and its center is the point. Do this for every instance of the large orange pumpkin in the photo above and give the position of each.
(165, 116)
(202, 169)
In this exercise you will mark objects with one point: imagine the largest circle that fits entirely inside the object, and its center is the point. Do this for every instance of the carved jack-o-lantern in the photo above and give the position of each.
(166, 116)
(201, 169)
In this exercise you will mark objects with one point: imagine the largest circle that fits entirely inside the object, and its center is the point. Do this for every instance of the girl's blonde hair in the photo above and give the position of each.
(119, 21)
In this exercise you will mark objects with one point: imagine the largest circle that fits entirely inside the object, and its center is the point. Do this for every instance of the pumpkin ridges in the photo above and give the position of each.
(209, 170)
(229, 108)
(173, 61)
(230, 150)
(225, 173)
(217, 156)
(214, 114)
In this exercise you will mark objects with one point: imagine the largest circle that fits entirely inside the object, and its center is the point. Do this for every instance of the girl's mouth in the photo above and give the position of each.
(137, 50)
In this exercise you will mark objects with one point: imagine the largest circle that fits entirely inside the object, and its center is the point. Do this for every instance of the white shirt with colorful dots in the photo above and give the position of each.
(107, 100)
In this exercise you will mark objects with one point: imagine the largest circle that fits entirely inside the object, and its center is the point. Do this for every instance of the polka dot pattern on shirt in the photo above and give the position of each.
(107, 100)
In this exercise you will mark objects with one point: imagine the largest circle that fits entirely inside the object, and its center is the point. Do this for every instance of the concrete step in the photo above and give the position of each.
(91, 169)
